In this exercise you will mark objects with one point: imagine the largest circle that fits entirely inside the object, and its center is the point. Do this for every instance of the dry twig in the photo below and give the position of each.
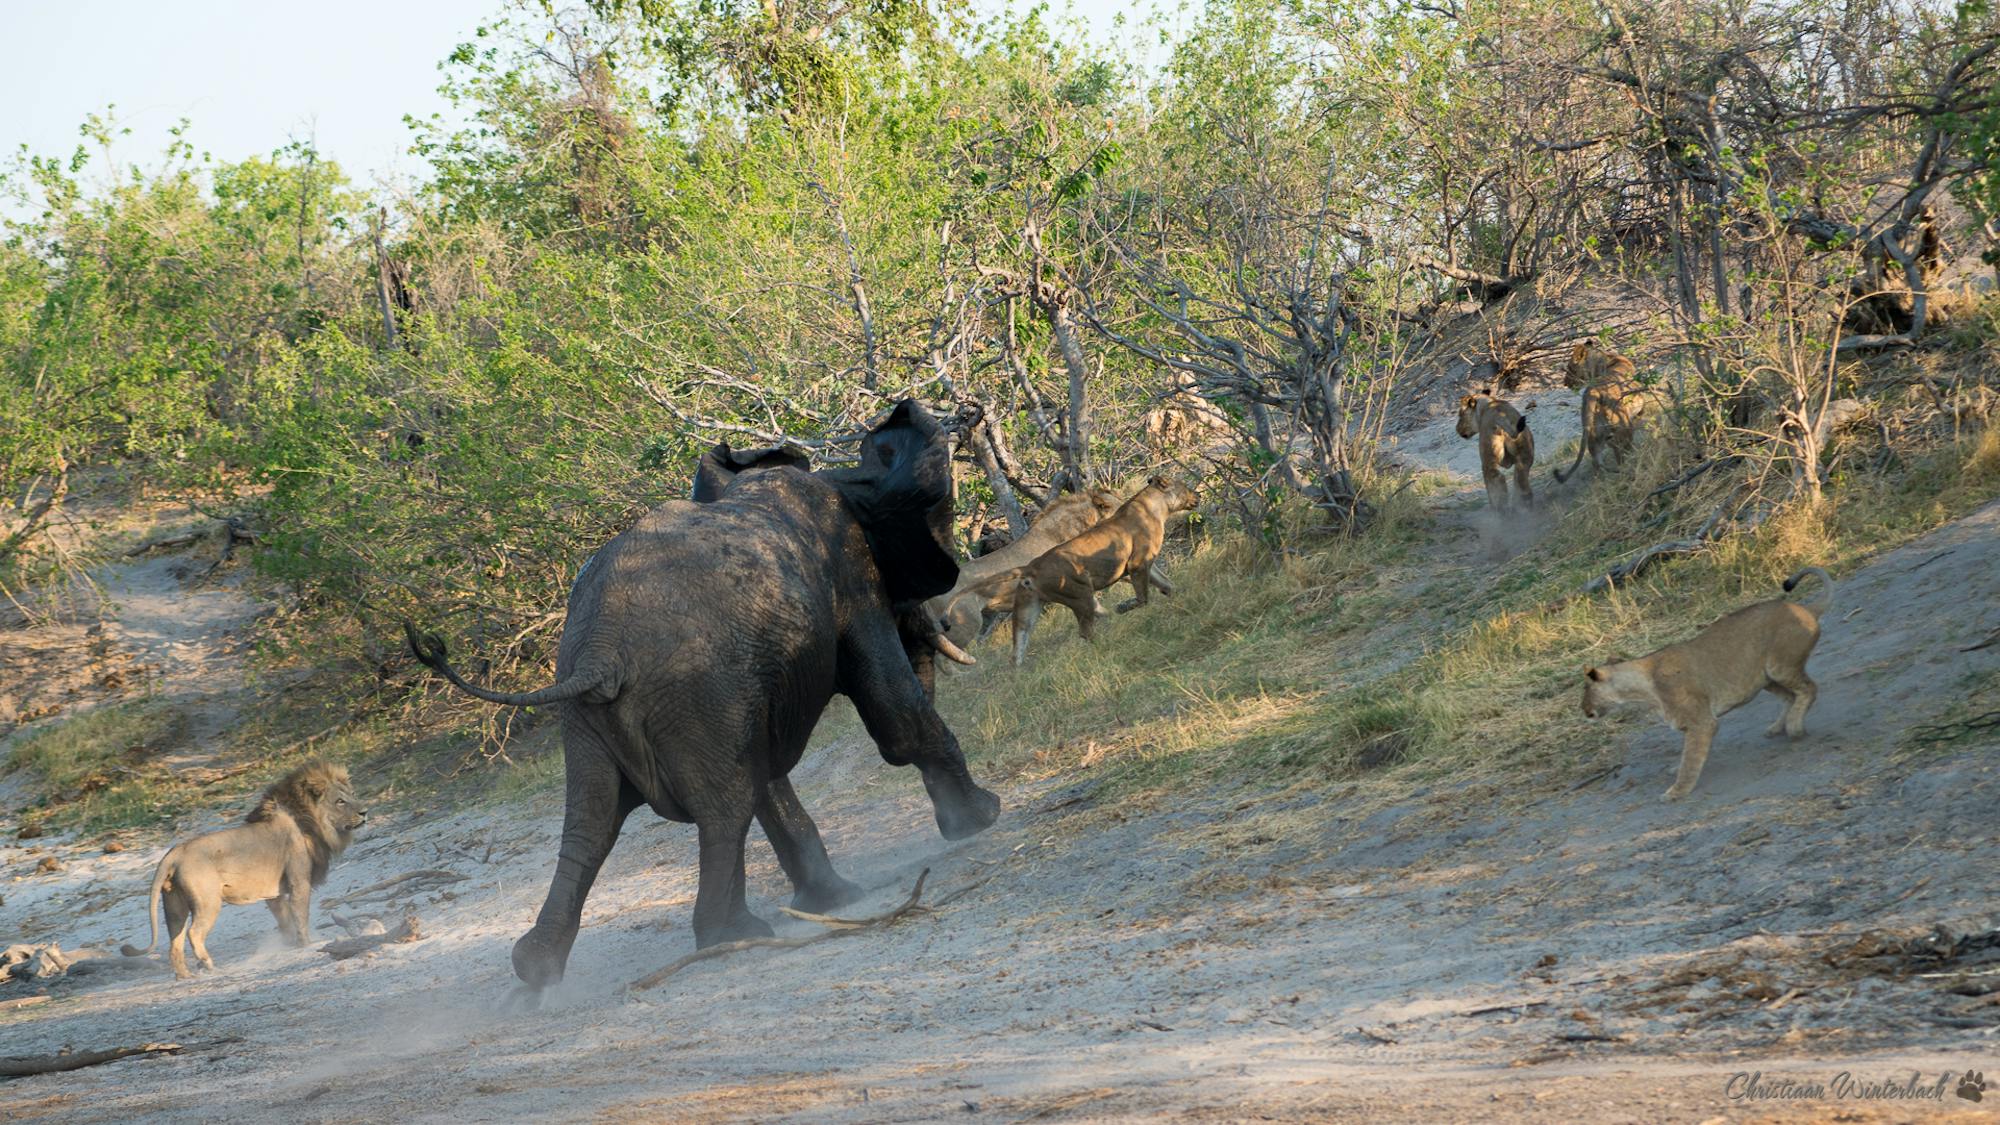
(23, 1066)
(842, 928)
(345, 948)
(431, 874)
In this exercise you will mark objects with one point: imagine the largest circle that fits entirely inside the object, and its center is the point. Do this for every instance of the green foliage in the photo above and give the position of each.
(1977, 132)
(137, 323)
(667, 223)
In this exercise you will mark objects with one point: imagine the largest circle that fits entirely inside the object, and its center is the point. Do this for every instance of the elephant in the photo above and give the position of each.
(702, 645)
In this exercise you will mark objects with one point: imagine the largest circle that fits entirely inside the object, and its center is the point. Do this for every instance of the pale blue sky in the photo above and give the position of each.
(250, 75)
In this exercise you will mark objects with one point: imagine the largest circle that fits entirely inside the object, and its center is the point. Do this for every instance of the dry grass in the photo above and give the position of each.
(99, 771)
(1373, 667)
(1369, 669)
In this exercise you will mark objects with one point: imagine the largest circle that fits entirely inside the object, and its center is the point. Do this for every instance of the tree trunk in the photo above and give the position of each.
(1076, 423)
(996, 479)
(382, 279)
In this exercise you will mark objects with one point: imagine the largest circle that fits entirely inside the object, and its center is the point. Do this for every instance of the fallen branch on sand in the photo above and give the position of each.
(1992, 639)
(41, 961)
(1948, 732)
(345, 948)
(1711, 529)
(1518, 1006)
(428, 875)
(23, 1066)
(841, 927)
(23, 1002)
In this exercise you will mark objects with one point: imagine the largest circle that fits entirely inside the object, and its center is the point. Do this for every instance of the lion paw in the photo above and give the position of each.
(1676, 792)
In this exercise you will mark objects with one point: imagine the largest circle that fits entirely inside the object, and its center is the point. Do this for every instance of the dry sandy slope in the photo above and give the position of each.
(1129, 963)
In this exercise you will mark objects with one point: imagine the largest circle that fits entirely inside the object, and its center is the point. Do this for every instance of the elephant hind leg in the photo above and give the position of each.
(815, 885)
(720, 912)
(597, 801)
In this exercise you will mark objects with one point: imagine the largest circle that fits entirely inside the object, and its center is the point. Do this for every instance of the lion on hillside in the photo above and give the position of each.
(1504, 443)
(1122, 548)
(969, 610)
(1759, 648)
(280, 852)
(1612, 402)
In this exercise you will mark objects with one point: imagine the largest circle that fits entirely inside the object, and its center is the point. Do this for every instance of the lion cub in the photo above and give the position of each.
(1760, 647)
(1122, 547)
(277, 855)
(1612, 401)
(1504, 443)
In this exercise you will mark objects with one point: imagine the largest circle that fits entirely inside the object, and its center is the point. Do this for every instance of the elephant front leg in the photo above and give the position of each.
(906, 728)
(720, 912)
(597, 801)
(816, 886)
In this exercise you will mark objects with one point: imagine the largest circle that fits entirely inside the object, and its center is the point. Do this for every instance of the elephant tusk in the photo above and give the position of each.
(951, 651)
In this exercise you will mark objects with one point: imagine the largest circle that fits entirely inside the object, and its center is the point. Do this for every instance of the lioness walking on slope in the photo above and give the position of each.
(1122, 547)
(1760, 647)
(1504, 443)
(280, 852)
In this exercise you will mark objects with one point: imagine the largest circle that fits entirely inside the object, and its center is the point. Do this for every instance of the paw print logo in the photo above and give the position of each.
(1972, 1087)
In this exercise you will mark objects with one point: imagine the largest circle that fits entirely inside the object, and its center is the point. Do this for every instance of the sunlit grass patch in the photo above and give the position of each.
(1364, 668)
(97, 771)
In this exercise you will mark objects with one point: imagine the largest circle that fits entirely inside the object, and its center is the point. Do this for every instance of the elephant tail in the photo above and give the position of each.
(588, 680)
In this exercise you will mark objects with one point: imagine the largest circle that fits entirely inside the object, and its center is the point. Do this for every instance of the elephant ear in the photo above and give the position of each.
(720, 465)
(900, 493)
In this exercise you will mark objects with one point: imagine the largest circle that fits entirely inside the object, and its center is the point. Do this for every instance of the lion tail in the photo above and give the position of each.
(153, 909)
(1819, 605)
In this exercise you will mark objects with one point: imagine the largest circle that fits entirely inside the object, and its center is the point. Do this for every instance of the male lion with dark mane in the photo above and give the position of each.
(277, 855)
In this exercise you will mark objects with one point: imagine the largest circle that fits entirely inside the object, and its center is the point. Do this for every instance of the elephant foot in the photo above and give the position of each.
(826, 894)
(539, 957)
(740, 928)
(958, 819)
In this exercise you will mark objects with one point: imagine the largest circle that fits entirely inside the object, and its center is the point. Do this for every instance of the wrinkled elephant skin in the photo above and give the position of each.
(702, 646)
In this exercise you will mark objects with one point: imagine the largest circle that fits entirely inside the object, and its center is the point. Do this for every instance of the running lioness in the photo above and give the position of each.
(1122, 548)
(1760, 647)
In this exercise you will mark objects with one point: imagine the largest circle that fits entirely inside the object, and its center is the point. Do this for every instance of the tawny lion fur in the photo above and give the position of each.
(967, 613)
(1504, 443)
(280, 852)
(1123, 547)
(1612, 402)
(984, 595)
(1758, 648)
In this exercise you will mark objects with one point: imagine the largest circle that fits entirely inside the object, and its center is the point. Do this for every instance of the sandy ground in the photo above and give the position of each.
(1599, 956)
